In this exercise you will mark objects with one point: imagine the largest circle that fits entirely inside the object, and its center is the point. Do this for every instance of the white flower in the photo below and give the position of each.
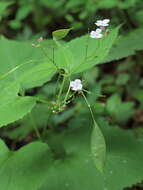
(96, 33)
(76, 85)
(102, 23)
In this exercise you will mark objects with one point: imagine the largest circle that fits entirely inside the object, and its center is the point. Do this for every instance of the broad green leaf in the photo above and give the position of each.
(3, 6)
(120, 111)
(64, 57)
(30, 167)
(138, 94)
(35, 74)
(12, 106)
(125, 46)
(122, 79)
(123, 167)
(98, 148)
(109, 4)
(8, 91)
(15, 109)
(17, 72)
(83, 53)
(4, 152)
(59, 34)
(23, 11)
(40, 114)
(15, 24)
(25, 169)
(24, 64)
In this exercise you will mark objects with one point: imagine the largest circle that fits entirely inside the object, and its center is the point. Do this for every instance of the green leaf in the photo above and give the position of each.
(18, 73)
(16, 109)
(63, 57)
(138, 94)
(4, 152)
(15, 24)
(28, 67)
(122, 79)
(125, 46)
(83, 53)
(40, 113)
(3, 6)
(123, 167)
(120, 111)
(8, 91)
(35, 74)
(26, 168)
(23, 11)
(59, 34)
(98, 148)
(31, 166)
(12, 106)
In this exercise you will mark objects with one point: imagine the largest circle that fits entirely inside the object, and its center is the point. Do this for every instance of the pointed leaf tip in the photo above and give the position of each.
(59, 34)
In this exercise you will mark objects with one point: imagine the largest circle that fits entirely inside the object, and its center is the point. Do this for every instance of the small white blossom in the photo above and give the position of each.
(96, 33)
(102, 23)
(76, 85)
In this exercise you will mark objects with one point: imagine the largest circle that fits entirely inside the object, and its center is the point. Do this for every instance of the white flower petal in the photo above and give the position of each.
(78, 81)
(92, 34)
(98, 30)
(96, 34)
(106, 21)
(99, 36)
(80, 87)
(98, 23)
(76, 85)
(102, 22)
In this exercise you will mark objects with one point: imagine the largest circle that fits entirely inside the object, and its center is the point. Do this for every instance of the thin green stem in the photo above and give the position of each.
(35, 127)
(57, 82)
(45, 127)
(66, 96)
(43, 101)
(62, 87)
(100, 95)
(89, 106)
(87, 91)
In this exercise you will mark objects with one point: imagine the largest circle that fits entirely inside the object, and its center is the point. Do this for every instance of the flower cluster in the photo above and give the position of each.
(102, 24)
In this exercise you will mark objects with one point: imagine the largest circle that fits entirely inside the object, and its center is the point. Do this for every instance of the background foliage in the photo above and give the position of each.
(116, 95)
